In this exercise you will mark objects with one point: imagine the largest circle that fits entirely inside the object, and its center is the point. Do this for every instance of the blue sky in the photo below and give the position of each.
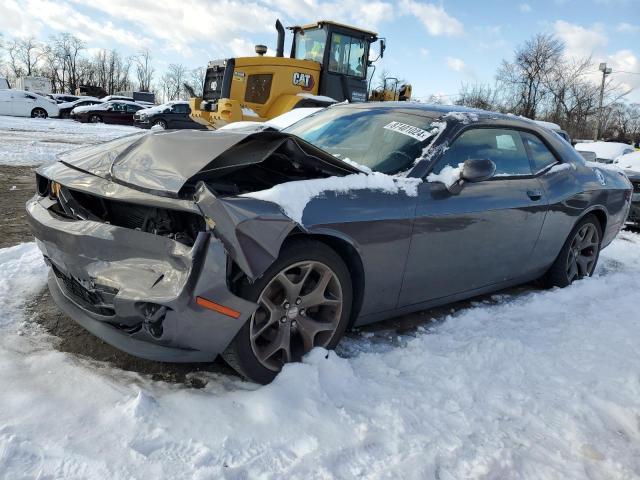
(436, 45)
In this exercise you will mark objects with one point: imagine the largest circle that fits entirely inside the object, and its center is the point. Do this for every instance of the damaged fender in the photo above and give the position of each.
(251, 230)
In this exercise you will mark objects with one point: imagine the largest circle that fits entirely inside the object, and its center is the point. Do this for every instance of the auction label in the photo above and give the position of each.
(409, 130)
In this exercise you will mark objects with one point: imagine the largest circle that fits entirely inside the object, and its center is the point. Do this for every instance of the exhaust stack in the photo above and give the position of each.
(280, 46)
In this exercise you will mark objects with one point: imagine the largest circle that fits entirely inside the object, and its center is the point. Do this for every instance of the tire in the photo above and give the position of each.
(578, 258)
(38, 113)
(95, 119)
(302, 264)
(160, 123)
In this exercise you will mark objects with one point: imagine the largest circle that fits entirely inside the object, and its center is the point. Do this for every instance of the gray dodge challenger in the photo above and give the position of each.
(258, 245)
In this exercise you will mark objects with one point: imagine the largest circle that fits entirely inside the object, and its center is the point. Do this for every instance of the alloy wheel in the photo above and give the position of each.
(583, 252)
(39, 113)
(95, 119)
(299, 309)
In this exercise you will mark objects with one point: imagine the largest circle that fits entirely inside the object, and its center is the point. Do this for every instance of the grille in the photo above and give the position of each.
(213, 83)
(180, 226)
(91, 299)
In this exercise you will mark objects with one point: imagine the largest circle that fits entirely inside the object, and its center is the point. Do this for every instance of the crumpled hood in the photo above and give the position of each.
(162, 162)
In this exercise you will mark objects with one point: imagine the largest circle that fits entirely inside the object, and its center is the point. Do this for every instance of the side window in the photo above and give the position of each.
(132, 108)
(180, 108)
(504, 147)
(541, 157)
(118, 107)
(347, 55)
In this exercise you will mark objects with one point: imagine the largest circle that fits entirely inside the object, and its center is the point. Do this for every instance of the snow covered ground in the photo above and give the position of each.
(29, 141)
(538, 385)
(544, 384)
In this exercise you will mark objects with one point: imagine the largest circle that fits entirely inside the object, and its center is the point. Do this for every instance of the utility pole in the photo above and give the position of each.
(605, 71)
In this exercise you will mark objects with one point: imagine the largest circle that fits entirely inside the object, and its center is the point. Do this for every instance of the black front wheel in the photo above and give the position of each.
(95, 119)
(160, 123)
(579, 255)
(304, 301)
(38, 113)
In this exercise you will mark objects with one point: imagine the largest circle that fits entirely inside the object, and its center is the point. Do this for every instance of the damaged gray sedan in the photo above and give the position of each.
(259, 245)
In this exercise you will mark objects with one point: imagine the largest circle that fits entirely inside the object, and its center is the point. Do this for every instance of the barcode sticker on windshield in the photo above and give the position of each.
(409, 130)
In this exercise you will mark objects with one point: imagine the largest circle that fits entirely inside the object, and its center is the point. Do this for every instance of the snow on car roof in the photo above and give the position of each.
(604, 150)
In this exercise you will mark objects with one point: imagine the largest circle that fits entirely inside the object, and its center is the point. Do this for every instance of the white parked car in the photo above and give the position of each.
(629, 161)
(20, 103)
(606, 152)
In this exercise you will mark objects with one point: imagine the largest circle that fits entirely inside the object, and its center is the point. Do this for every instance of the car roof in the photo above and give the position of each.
(438, 111)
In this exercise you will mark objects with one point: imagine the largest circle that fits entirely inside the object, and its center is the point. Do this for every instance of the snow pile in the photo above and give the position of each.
(292, 197)
(463, 117)
(448, 175)
(604, 150)
(629, 161)
(512, 387)
(22, 274)
(318, 98)
(31, 141)
(292, 116)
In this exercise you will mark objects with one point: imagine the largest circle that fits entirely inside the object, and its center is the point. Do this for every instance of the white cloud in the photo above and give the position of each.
(624, 27)
(456, 64)
(581, 41)
(525, 7)
(624, 61)
(241, 47)
(434, 17)
(15, 21)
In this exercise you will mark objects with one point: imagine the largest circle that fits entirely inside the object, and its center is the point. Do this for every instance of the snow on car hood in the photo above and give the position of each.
(163, 162)
(630, 161)
(604, 150)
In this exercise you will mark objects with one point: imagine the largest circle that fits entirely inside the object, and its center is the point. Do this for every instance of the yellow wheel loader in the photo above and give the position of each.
(328, 63)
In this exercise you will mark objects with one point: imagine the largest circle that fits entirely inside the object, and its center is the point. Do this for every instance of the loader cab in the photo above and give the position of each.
(343, 53)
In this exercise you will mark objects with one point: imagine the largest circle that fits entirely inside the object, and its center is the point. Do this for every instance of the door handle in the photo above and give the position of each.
(534, 195)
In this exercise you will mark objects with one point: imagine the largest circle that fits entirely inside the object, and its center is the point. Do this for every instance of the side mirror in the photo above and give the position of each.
(383, 46)
(109, 108)
(167, 110)
(477, 170)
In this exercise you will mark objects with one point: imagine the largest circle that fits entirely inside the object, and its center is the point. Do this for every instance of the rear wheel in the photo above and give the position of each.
(95, 119)
(579, 255)
(38, 113)
(160, 123)
(304, 301)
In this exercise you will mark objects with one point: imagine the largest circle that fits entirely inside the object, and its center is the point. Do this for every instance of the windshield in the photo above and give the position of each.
(383, 139)
(310, 44)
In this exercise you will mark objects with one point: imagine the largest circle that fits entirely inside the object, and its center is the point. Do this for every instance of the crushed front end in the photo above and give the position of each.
(141, 272)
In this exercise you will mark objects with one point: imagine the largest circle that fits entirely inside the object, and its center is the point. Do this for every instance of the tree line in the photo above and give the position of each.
(541, 82)
(65, 60)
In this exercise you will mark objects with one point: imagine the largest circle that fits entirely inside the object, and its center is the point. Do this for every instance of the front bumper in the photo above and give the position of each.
(141, 122)
(136, 290)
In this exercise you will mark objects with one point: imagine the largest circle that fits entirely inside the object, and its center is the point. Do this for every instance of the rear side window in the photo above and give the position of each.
(504, 147)
(541, 157)
(180, 108)
(118, 107)
(133, 108)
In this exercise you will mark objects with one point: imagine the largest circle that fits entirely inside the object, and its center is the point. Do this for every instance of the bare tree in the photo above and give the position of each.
(144, 70)
(68, 49)
(480, 96)
(524, 76)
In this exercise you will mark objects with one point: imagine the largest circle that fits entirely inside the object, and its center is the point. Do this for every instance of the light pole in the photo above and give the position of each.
(605, 71)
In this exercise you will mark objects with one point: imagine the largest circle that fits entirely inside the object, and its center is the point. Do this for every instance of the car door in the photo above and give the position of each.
(180, 113)
(23, 103)
(129, 112)
(6, 99)
(485, 234)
